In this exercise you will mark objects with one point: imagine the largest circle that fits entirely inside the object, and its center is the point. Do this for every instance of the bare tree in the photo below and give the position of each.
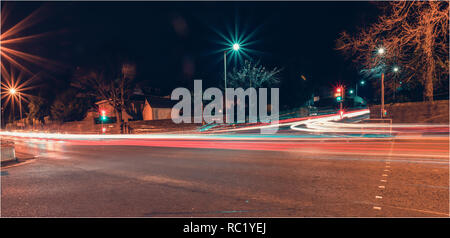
(111, 82)
(413, 36)
(253, 74)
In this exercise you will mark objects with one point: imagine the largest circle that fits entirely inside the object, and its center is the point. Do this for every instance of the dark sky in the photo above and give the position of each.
(176, 42)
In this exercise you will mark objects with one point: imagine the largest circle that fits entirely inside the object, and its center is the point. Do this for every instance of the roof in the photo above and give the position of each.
(102, 102)
(160, 102)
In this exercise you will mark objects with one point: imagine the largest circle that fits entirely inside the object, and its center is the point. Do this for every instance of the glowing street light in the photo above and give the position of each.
(381, 51)
(12, 92)
(236, 47)
(395, 69)
(362, 82)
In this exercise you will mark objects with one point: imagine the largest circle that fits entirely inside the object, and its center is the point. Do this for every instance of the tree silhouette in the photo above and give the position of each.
(414, 36)
(253, 74)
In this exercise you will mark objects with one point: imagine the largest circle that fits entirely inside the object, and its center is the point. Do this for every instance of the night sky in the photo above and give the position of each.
(173, 43)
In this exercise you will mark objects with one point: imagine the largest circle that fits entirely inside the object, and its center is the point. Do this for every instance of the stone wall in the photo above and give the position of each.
(166, 125)
(414, 112)
(89, 127)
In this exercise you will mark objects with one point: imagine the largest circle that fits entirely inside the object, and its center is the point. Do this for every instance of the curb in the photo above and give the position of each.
(20, 158)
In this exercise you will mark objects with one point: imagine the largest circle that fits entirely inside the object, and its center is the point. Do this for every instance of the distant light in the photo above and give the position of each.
(103, 129)
(236, 46)
(363, 82)
(396, 69)
(351, 91)
(381, 51)
(12, 90)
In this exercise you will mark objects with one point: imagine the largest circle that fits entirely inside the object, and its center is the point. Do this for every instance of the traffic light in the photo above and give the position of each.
(339, 94)
(103, 116)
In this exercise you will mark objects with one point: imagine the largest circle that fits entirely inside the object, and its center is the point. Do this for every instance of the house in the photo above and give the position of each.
(157, 108)
(141, 108)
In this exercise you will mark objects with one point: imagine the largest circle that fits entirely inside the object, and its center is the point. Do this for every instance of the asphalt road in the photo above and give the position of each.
(228, 178)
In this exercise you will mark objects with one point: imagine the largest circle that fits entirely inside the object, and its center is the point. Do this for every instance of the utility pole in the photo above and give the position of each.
(225, 68)
(225, 85)
(20, 108)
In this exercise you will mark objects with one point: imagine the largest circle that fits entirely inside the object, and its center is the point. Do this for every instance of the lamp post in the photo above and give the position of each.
(12, 92)
(20, 106)
(395, 69)
(235, 47)
(382, 95)
(381, 51)
(356, 88)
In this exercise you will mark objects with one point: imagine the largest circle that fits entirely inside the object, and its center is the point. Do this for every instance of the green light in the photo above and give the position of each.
(104, 118)
(351, 91)
(339, 99)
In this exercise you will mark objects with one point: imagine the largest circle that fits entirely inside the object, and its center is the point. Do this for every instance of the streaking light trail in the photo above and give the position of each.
(317, 124)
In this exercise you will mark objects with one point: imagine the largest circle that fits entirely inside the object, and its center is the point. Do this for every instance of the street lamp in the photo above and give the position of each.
(395, 69)
(381, 51)
(356, 88)
(13, 92)
(236, 47)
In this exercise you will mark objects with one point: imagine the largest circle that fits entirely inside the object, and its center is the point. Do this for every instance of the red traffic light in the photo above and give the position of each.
(339, 93)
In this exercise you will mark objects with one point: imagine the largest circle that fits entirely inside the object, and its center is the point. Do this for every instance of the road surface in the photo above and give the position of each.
(229, 177)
